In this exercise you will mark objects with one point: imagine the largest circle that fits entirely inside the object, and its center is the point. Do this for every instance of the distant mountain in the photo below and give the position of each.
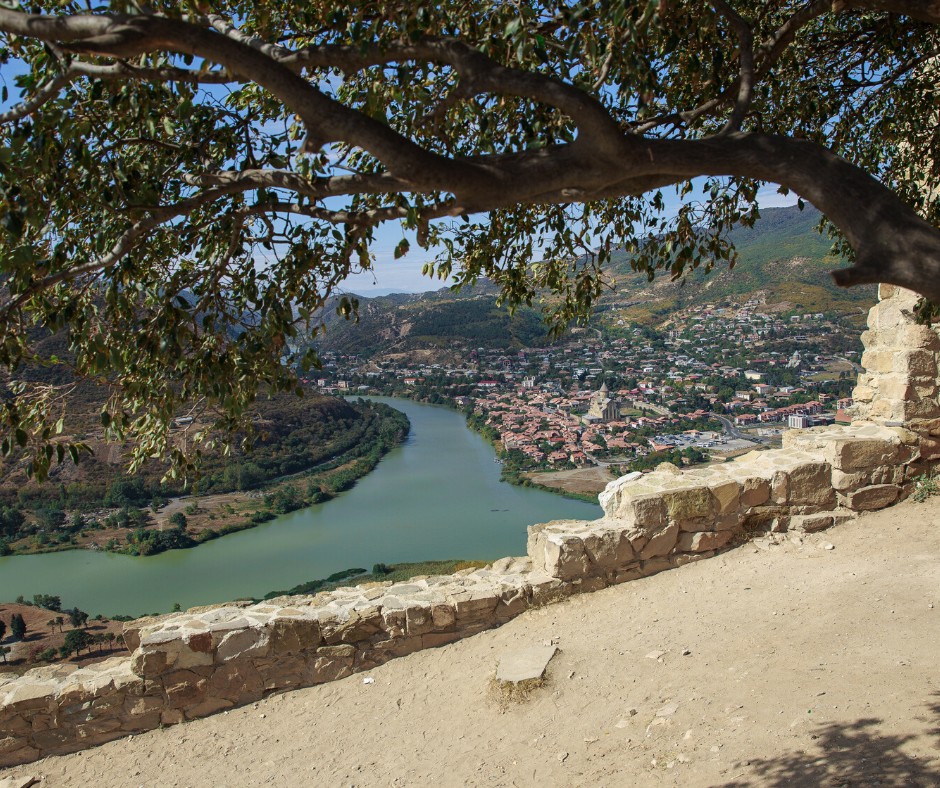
(448, 322)
(782, 261)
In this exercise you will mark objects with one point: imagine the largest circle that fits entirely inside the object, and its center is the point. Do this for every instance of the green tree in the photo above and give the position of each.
(76, 640)
(18, 626)
(77, 618)
(161, 151)
(3, 630)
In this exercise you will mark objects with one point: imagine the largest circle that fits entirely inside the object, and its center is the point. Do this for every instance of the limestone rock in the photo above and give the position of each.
(527, 664)
(876, 496)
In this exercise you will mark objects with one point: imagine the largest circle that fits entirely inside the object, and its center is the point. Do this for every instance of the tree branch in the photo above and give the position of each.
(745, 80)
(922, 10)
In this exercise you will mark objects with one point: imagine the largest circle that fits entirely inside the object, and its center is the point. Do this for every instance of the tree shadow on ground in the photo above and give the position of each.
(851, 756)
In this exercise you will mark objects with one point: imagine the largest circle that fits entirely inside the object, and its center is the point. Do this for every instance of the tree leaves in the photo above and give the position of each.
(203, 310)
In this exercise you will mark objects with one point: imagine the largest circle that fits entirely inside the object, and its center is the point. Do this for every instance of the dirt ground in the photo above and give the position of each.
(40, 635)
(587, 481)
(770, 665)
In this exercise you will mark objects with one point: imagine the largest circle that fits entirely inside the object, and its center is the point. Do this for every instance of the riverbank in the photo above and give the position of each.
(189, 521)
(434, 497)
(509, 473)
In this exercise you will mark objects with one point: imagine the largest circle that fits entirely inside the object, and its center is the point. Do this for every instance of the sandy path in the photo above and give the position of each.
(806, 666)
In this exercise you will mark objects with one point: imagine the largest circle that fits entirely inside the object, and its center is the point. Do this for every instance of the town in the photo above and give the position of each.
(715, 380)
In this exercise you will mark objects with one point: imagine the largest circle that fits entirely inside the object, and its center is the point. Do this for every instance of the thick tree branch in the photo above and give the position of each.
(480, 73)
(922, 10)
(122, 36)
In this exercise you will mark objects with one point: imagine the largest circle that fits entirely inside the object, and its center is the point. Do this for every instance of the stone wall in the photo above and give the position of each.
(192, 664)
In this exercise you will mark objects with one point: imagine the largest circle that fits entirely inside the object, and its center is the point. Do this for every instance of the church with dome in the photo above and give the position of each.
(603, 407)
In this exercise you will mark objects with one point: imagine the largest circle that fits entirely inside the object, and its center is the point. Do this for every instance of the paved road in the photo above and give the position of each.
(734, 432)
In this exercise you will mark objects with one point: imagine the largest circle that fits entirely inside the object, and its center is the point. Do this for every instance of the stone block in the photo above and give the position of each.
(728, 496)
(655, 566)
(418, 620)
(876, 496)
(477, 607)
(878, 361)
(811, 483)
(284, 672)
(861, 454)
(359, 626)
(810, 523)
(703, 541)
(608, 548)
(662, 543)
(149, 663)
(563, 556)
(435, 639)
(648, 511)
(238, 681)
(290, 635)
(512, 602)
(780, 487)
(443, 616)
(755, 492)
(172, 717)
(625, 575)
(729, 522)
(183, 688)
(929, 448)
(689, 504)
(844, 482)
(919, 337)
(239, 643)
(545, 592)
(690, 558)
(527, 664)
(207, 707)
(915, 362)
(863, 393)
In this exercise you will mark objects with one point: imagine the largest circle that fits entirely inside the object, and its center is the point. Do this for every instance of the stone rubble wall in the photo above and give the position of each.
(189, 665)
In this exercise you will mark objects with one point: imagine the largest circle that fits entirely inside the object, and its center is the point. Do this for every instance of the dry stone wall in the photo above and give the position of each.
(189, 665)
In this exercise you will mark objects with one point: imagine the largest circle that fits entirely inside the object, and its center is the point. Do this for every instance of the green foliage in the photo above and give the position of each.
(925, 486)
(77, 617)
(50, 519)
(76, 640)
(183, 239)
(18, 626)
(678, 457)
(48, 601)
(178, 519)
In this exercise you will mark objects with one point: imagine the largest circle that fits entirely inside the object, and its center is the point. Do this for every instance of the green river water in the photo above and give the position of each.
(437, 496)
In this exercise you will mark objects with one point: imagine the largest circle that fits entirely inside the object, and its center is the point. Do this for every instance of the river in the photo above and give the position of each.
(437, 496)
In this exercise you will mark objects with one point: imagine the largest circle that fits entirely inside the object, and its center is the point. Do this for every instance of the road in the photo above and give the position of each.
(734, 432)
